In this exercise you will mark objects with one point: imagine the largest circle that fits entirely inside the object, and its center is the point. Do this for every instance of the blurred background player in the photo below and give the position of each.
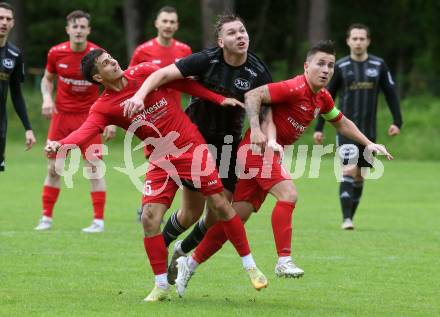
(11, 76)
(164, 49)
(231, 70)
(74, 97)
(359, 77)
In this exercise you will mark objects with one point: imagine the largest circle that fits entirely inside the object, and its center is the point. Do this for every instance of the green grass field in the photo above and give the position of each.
(388, 266)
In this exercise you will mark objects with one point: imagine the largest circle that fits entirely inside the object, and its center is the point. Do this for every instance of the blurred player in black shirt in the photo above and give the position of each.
(358, 78)
(11, 76)
(230, 70)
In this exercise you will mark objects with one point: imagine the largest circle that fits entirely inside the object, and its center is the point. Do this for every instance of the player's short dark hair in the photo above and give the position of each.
(88, 65)
(223, 19)
(324, 46)
(358, 26)
(7, 6)
(78, 14)
(167, 9)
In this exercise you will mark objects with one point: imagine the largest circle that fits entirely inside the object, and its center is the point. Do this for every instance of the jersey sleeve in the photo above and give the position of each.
(193, 65)
(17, 77)
(329, 112)
(94, 125)
(51, 61)
(388, 87)
(144, 69)
(280, 92)
(193, 88)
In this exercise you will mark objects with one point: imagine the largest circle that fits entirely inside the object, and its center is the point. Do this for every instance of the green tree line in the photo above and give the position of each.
(403, 31)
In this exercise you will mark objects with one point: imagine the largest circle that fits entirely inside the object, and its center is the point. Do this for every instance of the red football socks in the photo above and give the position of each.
(49, 198)
(157, 253)
(282, 226)
(98, 201)
(213, 241)
(234, 230)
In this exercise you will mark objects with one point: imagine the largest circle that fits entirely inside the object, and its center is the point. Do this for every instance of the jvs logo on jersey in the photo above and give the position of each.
(242, 84)
(8, 63)
(371, 72)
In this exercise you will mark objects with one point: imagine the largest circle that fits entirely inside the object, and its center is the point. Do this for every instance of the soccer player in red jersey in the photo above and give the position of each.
(294, 104)
(175, 146)
(164, 49)
(74, 96)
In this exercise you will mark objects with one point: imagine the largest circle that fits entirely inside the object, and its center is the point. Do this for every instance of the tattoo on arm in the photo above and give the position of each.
(253, 101)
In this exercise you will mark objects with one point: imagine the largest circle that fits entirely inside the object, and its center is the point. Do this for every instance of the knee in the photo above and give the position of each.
(51, 171)
(221, 205)
(148, 219)
(289, 196)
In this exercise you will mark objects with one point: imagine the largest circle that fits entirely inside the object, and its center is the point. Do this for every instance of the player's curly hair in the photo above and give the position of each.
(223, 19)
(325, 46)
(88, 65)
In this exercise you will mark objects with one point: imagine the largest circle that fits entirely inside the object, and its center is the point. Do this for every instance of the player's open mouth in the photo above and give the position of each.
(241, 44)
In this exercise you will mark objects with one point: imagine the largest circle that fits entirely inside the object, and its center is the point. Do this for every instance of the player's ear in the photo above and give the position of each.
(220, 42)
(98, 78)
(306, 66)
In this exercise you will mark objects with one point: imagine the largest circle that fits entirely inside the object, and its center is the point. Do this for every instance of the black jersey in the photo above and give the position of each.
(11, 76)
(210, 69)
(359, 84)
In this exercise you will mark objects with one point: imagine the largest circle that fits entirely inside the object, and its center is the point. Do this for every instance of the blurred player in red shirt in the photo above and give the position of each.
(164, 49)
(74, 97)
(174, 143)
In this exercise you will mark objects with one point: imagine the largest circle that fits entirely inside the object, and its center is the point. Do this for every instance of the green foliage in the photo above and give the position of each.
(388, 266)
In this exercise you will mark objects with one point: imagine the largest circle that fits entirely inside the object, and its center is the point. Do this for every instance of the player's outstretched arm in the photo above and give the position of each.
(347, 128)
(252, 103)
(160, 77)
(194, 88)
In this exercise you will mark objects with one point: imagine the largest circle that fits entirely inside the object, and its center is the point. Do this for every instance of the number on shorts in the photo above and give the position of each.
(147, 188)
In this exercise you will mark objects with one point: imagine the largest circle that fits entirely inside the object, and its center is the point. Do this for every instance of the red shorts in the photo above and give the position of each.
(163, 176)
(64, 123)
(258, 174)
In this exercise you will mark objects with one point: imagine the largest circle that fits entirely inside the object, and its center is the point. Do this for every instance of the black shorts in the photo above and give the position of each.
(352, 153)
(225, 166)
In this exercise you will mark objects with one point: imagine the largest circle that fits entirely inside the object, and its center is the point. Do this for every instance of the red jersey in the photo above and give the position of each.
(162, 56)
(162, 112)
(74, 93)
(294, 106)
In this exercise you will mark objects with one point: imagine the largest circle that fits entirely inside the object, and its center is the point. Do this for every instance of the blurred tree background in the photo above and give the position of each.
(404, 33)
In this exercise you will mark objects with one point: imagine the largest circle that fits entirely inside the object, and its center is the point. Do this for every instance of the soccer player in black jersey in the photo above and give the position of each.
(359, 77)
(230, 70)
(11, 75)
